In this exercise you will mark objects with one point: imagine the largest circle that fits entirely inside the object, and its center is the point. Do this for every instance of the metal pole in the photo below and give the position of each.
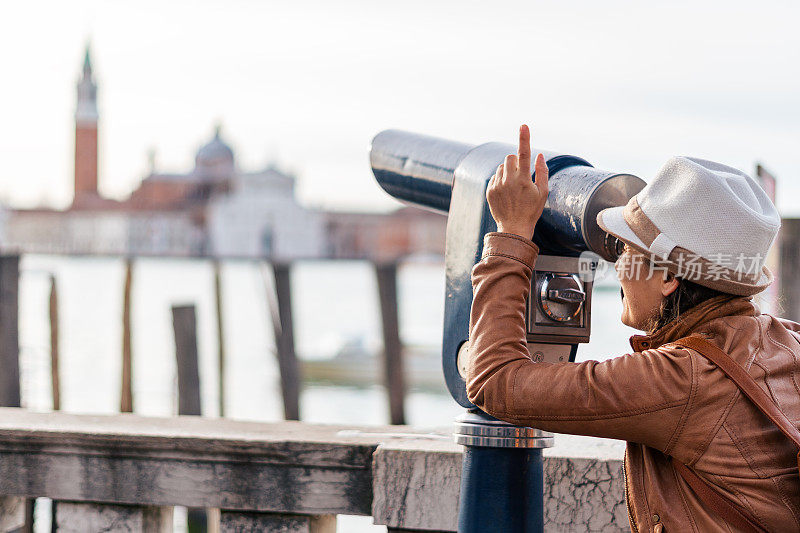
(502, 479)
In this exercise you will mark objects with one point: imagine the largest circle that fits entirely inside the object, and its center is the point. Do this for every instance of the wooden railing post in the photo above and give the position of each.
(392, 348)
(284, 342)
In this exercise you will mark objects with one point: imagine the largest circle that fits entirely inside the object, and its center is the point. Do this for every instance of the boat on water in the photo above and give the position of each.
(355, 364)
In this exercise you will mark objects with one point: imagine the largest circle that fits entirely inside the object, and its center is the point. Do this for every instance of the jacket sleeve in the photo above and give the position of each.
(640, 397)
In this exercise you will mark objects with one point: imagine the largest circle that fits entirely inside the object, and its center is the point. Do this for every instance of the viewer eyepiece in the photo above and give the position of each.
(613, 247)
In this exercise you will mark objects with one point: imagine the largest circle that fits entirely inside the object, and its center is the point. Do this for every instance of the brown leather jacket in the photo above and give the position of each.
(663, 400)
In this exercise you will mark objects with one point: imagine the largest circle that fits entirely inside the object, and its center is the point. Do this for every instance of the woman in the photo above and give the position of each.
(676, 409)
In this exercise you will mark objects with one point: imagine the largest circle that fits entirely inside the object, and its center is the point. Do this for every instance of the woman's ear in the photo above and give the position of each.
(669, 284)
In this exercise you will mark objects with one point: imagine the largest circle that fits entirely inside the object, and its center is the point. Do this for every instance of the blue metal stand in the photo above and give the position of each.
(501, 484)
(502, 477)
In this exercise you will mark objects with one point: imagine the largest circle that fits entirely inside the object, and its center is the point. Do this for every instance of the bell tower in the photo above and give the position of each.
(86, 136)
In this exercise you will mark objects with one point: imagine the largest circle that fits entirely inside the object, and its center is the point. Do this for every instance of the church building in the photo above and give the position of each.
(214, 209)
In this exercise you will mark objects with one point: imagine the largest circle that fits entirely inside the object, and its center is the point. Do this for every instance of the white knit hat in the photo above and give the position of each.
(706, 222)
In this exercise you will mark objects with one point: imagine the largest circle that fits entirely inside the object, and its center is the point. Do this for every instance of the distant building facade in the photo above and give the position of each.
(213, 210)
(407, 231)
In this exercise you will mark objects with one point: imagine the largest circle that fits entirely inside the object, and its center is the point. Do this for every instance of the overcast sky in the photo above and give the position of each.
(626, 85)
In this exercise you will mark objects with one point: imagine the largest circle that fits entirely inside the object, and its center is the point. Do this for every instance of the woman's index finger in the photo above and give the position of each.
(524, 151)
(542, 173)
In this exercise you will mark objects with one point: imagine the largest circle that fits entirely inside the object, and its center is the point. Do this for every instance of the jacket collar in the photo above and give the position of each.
(719, 306)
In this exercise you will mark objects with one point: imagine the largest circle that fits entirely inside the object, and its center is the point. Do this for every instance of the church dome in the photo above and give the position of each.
(214, 159)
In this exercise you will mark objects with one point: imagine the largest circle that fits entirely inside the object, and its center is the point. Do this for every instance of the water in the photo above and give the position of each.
(333, 302)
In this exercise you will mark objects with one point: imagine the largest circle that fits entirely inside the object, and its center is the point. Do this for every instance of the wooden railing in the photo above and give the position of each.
(126, 473)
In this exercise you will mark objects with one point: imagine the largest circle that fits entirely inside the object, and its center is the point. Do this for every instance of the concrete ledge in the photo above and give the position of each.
(584, 495)
(416, 486)
(285, 467)
(403, 477)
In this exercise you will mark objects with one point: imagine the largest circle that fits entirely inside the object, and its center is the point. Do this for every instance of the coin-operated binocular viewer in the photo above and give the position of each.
(501, 486)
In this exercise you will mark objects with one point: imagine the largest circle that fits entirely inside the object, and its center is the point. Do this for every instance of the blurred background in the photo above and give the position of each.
(160, 154)
(307, 84)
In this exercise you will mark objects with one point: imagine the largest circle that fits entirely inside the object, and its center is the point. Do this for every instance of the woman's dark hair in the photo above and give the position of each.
(687, 295)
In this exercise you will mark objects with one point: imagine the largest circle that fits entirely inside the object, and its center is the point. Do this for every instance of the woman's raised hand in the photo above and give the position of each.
(516, 201)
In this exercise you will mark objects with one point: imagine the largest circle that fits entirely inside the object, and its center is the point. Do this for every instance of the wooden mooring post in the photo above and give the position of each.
(126, 391)
(184, 325)
(788, 281)
(393, 373)
(54, 346)
(284, 341)
(9, 331)
(54, 368)
(220, 335)
(10, 395)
